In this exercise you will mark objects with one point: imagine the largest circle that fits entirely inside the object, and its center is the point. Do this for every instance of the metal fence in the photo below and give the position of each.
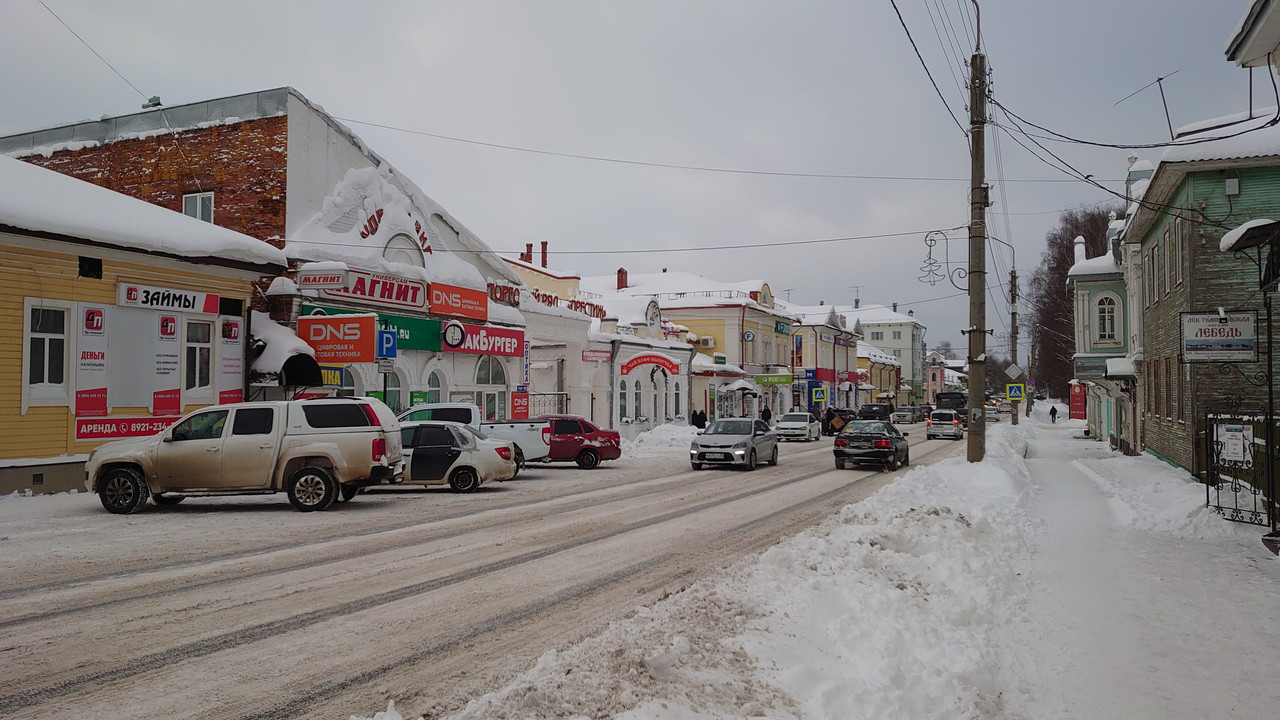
(1236, 480)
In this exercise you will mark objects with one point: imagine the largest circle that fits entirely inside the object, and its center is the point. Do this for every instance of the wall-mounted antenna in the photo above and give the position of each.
(1159, 82)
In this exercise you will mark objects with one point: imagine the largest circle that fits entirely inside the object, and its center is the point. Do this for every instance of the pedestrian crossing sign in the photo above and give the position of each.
(819, 394)
(1015, 391)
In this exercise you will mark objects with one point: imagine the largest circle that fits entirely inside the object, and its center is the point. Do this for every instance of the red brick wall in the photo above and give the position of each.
(243, 164)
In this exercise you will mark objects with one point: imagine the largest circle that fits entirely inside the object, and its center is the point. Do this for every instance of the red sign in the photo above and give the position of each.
(1078, 396)
(166, 402)
(479, 340)
(340, 338)
(519, 406)
(665, 363)
(109, 428)
(91, 402)
(596, 356)
(382, 290)
(459, 301)
(504, 294)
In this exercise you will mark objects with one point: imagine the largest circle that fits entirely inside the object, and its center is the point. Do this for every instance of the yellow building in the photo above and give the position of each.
(122, 314)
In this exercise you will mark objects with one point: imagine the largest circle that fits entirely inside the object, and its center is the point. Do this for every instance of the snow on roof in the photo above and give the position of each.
(1121, 368)
(1230, 239)
(282, 344)
(876, 314)
(1245, 139)
(1104, 264)
(703, 364)
(1141, 166)
(677, 289)
(282, 286)
(42, 200)
(875, 354)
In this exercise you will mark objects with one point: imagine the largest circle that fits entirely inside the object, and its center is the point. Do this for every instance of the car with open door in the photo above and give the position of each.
(438, 452)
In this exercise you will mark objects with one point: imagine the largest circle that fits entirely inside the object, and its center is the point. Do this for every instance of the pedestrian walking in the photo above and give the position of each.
(766, 415)
(1053, 414)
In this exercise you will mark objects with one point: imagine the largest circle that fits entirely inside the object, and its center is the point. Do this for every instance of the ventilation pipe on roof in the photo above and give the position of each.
(895, 307)
(528, 253)
(622, 278)
(855, 303)
(544, 253)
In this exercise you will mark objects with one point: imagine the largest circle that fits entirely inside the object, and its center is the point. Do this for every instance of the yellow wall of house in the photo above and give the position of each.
(707, 327)
(564, 288)
(49, 431)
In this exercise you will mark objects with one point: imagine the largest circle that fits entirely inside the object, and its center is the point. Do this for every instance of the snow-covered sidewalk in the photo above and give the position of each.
(1074, 583)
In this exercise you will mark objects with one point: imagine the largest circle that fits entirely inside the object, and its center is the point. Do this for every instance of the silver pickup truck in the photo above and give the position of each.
(532, 438)
(315, 451)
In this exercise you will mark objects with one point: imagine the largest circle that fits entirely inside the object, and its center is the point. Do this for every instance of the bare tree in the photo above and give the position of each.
(944, 349)
(1053, 330)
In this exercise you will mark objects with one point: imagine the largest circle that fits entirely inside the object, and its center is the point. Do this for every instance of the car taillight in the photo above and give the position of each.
(928, 421)
(955, 421)
(379, 449)
(546, 434)
(841, 442)
(370, 415)
(505, 453)
(881, 443)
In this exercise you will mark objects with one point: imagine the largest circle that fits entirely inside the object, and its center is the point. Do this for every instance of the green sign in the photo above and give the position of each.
(782, 327)
(417, 397)
(774, 379)
(376, 394)
(721, 360)
(411, 333)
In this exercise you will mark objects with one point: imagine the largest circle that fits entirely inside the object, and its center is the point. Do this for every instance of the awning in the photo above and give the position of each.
(885, 395)
(1120, 368)
(282, 357)
(846, 386)
(738, 385)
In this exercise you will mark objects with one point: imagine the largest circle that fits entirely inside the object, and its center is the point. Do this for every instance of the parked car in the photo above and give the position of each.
(532, 438)
(798, 426)
(437, 452)
(944, 423)
(315, 451)
(991, 413)
(734, 441)
(908, 414)
(1039, 396)
(875, 442)
(575, 438)
(876, 411)
(1006, 406)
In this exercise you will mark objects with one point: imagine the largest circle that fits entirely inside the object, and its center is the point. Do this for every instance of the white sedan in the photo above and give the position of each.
(798, 426)
(438, 452)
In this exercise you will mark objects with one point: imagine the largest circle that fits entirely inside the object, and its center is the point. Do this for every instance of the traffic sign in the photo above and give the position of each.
(386, 343)
(819, 394)
(1013, 371)
(1015, 391)
(386, 365)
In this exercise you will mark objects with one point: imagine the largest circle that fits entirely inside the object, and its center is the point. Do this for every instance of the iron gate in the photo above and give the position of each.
(548, 404)
(1236, 483)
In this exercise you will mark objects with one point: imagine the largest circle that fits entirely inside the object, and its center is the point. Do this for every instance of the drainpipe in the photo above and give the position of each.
(688, 383)
(613, 387)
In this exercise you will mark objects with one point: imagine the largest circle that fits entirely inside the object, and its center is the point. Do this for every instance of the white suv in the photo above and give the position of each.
(944, 423)
(315, 451)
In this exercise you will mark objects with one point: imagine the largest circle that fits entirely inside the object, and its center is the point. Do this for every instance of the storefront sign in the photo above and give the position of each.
(662, 361)
(589, 309)
(1210, 337)
(411, 333)
(340, 339)
(91, 366)
(112, 428)
(774, 379)
(459, 302)
(166, 392)
(782, 327)
(827, 337)
(230, 359)
(165, 298)
(1078, 397)
(504, 294)
(842, 341)
(519, 406)
(596, 355)
(481, 340)
(378, 289)
(332, 375)
(322, 279)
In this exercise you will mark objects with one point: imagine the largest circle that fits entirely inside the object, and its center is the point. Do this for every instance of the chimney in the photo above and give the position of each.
(895, 307)
(622, 278)
(528, 253)
(1115, 240)
(544, 253)
(664, 269)
(855, 303)
(1080, 253)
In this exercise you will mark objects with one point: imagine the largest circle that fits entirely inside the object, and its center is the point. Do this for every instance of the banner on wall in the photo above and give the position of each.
(662, 361)
(110, 428)
(479, 340)
(1078, 397)
(230, 359)
(519, 406)
(459, 301)
(340, 338)
(166, 393)
(91, 364)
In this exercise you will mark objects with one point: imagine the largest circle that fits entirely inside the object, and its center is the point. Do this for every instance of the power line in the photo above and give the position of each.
(926, 68)
(95, 52)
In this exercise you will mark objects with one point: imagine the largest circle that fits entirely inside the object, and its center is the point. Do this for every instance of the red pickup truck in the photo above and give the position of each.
(575, 438)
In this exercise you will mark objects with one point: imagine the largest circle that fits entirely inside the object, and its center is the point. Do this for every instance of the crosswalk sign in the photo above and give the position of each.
(819, 394)
(1015, 391)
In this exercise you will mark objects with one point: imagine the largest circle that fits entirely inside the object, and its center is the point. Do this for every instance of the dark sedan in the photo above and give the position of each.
(872, 442)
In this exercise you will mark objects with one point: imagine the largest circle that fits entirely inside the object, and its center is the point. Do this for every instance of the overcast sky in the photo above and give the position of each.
(796, 87)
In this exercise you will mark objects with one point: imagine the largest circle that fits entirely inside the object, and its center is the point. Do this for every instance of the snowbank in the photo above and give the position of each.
(663, 438)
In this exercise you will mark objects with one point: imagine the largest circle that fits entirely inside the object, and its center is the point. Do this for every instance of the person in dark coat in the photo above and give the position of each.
(766, 415)
(826, 421)
(1053, 414)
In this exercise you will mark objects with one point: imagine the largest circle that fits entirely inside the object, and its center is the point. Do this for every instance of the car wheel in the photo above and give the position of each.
(751, 460)
(311, 488)
(696, 466)
(773, 458)
(587, 459)
(167, 499)
(906, 458)
(464, 480)
(123, 491)
(519, 463)
(892, 464)
(839, 463)
(347, 492)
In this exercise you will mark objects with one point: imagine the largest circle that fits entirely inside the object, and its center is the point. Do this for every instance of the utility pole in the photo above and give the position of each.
(978, 193)
(1013, 336)
(1031, 368)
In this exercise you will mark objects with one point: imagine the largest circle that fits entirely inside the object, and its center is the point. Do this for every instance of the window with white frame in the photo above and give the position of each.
(622, 399)
(47, 349)
(1180, 236)
(1146, 279)
(1155, 273)
(1105, 317)
(1168, 264)
(198, 206)
(198, 356)
(877, 335)
(897, 334)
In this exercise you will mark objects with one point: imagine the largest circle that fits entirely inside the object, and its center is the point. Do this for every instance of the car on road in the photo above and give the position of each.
(875, 411)
(1039, 396)
(734, 441)
(991, 413)
(798, 426)
(576, 439)
(944, 423)
(872, 442)
(1006, 406)
(904, 414)
(438, 452)
(531, 438)
(315, 451)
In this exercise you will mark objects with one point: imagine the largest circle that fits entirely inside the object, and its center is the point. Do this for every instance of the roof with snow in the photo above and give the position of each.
(877, 315)
(1104, 264)
(875, 354)
(43, 201)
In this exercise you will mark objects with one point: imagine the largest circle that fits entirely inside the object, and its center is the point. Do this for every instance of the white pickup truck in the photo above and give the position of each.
(532, 438)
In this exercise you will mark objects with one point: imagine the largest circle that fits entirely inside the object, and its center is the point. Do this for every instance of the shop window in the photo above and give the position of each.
(47, 351)
(392, 395)
(492, 399)
(198, 206)
(198, 355)
(433, 388)
(622, 399)
(348, 388)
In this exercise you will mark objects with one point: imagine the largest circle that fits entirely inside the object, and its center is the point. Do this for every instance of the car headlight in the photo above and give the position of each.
(693, 447)
(741, 446)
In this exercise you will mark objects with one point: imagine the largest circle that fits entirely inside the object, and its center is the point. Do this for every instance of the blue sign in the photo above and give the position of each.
(810, 373)
(1014, 391)
(386, 343)
(819, 394)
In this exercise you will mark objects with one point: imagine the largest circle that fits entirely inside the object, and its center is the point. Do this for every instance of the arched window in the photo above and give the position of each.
(492, 399)
(636, 395)
(622, 399)
(392, 397)
(434, 386)
(1106, 318)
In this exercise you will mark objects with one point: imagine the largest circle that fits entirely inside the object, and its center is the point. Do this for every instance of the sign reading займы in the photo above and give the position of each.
(1220, 337)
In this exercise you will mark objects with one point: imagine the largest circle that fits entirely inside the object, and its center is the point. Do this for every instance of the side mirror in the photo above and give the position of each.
(905, 434)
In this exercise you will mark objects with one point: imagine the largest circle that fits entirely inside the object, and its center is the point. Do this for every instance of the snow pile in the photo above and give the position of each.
(663, 438)
(1159, 497)
(891, 608)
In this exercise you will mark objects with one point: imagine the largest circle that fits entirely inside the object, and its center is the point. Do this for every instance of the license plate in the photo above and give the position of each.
(715, 456)
(860, 444)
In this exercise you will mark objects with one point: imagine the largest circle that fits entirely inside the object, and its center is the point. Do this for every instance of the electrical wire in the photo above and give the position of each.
(926, 67)
(951, 65)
